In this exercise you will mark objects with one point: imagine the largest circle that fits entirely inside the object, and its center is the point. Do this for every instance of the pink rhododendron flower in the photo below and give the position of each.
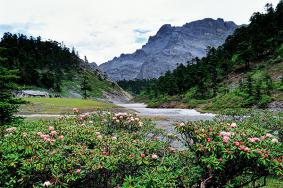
(39, 133)
(61, 137)
(78, 171)
(76, 110)
(222, 133)
(142, 155)
(82, 117)
(247, 149)
(244, 148)
(226, 134)
(254, 139)
(182, 124)
(233, 125)
(268, 135)
(154, 156)
(24, 134)
(99, 136)
(237, 144)
(274, 140)
(263, 137)
(53, 133)
(50, 128)
(225, 139)
(11, 129)
(140, 124)
(208, 139)
(45, 137)
(106, 153)
(156, 138)
(52, 141)
(132, 155)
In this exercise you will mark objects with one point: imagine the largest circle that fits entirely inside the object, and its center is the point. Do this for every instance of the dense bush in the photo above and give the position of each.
(104, 149)
(98, 150)
(233, 154)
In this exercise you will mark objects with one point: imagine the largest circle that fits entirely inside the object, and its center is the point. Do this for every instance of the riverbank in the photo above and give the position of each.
(59, 106)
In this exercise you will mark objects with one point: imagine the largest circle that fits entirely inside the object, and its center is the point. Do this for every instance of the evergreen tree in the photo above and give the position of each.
(268, 83)
(8, 104)
(85, 87)
(249, 86)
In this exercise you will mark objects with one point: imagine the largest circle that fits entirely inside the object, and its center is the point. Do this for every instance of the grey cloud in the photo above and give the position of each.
(24, 28)
(141, 31)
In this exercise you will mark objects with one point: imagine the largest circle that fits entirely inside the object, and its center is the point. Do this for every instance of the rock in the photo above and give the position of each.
(169, 47)
(93, 65)
(276, 105)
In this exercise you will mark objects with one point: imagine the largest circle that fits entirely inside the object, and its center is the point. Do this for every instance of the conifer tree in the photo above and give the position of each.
(85, 87)
(8, 104)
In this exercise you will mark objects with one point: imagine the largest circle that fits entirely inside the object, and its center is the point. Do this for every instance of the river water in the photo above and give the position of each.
(166, 117)
(169, 113)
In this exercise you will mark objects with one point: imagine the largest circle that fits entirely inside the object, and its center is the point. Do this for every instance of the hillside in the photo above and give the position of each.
(246, 71)
(51, 66)
(168, 48)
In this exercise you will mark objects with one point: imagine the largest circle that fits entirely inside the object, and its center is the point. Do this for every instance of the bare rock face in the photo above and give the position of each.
(169, 47)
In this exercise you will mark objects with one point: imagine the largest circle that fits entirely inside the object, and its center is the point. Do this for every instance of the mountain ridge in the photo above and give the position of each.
(170, 46)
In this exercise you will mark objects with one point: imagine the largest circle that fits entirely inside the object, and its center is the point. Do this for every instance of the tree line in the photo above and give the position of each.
(40, 63)
(261, 40)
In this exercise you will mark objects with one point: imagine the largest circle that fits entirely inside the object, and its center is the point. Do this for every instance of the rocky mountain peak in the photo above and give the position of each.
(165, 29)
(170, 46)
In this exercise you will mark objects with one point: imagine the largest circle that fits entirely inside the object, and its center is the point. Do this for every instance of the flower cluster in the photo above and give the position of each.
(130, 118)
(84, 116)
(127, 121)
(51, 137)
(218, 145)
(226, 136)
(76, 110)
(11, 129)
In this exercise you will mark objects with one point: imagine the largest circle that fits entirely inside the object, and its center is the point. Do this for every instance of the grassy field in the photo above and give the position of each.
(62, 105)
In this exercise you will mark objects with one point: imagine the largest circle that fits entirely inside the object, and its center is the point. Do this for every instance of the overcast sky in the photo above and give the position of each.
(103, 29)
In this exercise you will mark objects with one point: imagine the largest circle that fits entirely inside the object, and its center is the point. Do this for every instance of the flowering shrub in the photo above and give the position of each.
(227, 151)
(126, 121)
(96, 150)
(80, 151)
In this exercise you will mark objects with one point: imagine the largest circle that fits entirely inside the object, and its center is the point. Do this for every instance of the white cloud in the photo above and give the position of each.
(102, 29)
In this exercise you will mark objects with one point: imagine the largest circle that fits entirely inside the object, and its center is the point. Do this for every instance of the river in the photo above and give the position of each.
(166, 117)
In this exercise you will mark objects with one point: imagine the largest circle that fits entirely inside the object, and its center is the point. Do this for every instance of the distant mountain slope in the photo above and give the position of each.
(169, 47)
(51, 66)
(246, 71)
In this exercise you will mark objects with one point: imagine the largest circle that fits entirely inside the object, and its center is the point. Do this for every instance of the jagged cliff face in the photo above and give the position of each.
(169, 47)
